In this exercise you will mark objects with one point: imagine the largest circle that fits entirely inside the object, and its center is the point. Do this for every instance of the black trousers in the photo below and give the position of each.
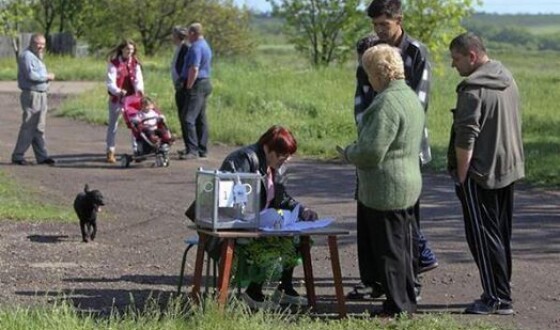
(368, 274)
(488, 219)
(194, 117)
(180, 98)
(390, 249)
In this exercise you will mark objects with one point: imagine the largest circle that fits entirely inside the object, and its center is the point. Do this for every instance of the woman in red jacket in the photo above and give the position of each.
(124, 78)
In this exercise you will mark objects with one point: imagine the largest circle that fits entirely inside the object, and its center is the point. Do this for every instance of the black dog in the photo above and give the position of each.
(86, 205)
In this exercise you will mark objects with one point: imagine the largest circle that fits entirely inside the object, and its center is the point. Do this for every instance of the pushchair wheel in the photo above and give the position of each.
(125, 160)
(160, 161)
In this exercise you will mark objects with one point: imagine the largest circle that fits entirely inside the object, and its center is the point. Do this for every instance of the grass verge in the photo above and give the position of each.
(63, 316)
(19, 203)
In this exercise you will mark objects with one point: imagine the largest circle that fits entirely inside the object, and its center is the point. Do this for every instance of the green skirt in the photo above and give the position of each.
(262, 260)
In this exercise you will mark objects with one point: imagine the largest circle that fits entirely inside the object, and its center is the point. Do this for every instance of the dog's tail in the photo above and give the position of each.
(86, 188)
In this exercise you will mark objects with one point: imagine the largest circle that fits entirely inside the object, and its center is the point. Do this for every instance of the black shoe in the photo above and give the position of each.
(481, 307)
(47, 161)
(188, 156)
(202, 155)
(504, 309)
(426, 267)
(22, 162)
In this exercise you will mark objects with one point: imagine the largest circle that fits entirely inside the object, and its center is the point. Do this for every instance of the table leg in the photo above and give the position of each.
(226, 260)
(308, 271)
(199, 264)
(335, 263)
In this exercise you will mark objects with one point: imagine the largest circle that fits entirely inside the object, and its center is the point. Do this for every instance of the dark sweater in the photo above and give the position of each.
(487, 121)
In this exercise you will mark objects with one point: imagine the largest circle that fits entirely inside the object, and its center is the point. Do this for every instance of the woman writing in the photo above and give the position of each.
(267, 157)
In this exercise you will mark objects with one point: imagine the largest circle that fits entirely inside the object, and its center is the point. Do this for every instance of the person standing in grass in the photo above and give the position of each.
(124, 78)
(386, 158)
(33, 80)
(485, 159)
(387, 17)
(196, 75)
(180, 41)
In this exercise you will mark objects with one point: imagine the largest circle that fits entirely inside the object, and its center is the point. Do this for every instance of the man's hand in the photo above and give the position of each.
(50, 76)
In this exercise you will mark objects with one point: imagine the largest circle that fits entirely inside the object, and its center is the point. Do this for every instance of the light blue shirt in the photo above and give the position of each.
(32, 72)
(199, 55)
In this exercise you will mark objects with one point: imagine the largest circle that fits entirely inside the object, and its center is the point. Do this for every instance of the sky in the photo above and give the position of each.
(489, 6)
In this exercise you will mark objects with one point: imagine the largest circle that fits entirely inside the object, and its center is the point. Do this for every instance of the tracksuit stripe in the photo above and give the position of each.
(479, 239)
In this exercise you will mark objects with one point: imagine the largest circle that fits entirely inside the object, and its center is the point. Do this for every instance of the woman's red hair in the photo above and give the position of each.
(279, 140)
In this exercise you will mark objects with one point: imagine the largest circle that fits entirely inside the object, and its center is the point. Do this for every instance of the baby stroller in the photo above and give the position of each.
(155, 145)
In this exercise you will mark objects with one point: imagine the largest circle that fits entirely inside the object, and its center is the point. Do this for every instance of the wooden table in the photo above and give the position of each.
(228, 246)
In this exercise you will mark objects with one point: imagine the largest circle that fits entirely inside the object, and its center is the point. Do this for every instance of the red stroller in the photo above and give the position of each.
(156, 144)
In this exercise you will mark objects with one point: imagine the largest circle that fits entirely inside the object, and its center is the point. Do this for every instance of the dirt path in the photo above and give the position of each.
(141, 232)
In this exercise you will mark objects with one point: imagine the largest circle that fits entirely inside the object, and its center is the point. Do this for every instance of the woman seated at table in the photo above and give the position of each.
(263, 259)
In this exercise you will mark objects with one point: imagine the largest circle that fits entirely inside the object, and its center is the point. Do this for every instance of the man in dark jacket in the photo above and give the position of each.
(181, 48)
(485, 159)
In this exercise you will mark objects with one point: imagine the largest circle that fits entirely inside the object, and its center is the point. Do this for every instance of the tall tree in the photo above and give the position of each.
(436, 22)
(46, 12)
(324, 30)
(13, 13)
(226, 26)
(327, 29)
(150, 20)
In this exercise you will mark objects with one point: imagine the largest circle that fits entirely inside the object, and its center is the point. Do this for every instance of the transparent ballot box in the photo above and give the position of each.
(226, 200)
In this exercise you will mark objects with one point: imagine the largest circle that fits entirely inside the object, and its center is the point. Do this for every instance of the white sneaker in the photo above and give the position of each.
(267, 304)
(282, 298)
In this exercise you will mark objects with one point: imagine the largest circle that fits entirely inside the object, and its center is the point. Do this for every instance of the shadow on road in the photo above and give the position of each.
(48, 238)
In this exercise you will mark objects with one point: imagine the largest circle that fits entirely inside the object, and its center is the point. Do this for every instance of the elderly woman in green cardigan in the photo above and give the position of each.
(386, 158)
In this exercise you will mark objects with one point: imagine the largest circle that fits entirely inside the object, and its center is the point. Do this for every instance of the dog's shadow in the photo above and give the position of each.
(49, 238)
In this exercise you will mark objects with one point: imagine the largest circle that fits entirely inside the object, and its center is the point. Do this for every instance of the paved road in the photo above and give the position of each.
(140, 240)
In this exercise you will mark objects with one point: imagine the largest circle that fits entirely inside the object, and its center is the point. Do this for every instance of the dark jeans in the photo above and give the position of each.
(194, 117)
(180, 98)
(424, 256)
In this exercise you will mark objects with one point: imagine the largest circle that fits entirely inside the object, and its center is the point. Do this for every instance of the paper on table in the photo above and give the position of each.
(302, 225)
(286, 220)
(273, 218)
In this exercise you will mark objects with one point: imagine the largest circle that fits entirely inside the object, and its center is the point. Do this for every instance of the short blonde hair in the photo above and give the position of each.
(196, 28)
(383, 61)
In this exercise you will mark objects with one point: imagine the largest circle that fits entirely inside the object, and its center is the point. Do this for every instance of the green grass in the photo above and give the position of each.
(544, 29)
(19, 203)
(279, 87)
(65, 317)
(85, 68)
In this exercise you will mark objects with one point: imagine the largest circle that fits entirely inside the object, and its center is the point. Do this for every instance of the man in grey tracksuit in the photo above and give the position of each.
(485, 159)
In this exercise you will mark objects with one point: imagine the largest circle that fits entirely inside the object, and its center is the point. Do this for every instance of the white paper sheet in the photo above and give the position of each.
(286, 220)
